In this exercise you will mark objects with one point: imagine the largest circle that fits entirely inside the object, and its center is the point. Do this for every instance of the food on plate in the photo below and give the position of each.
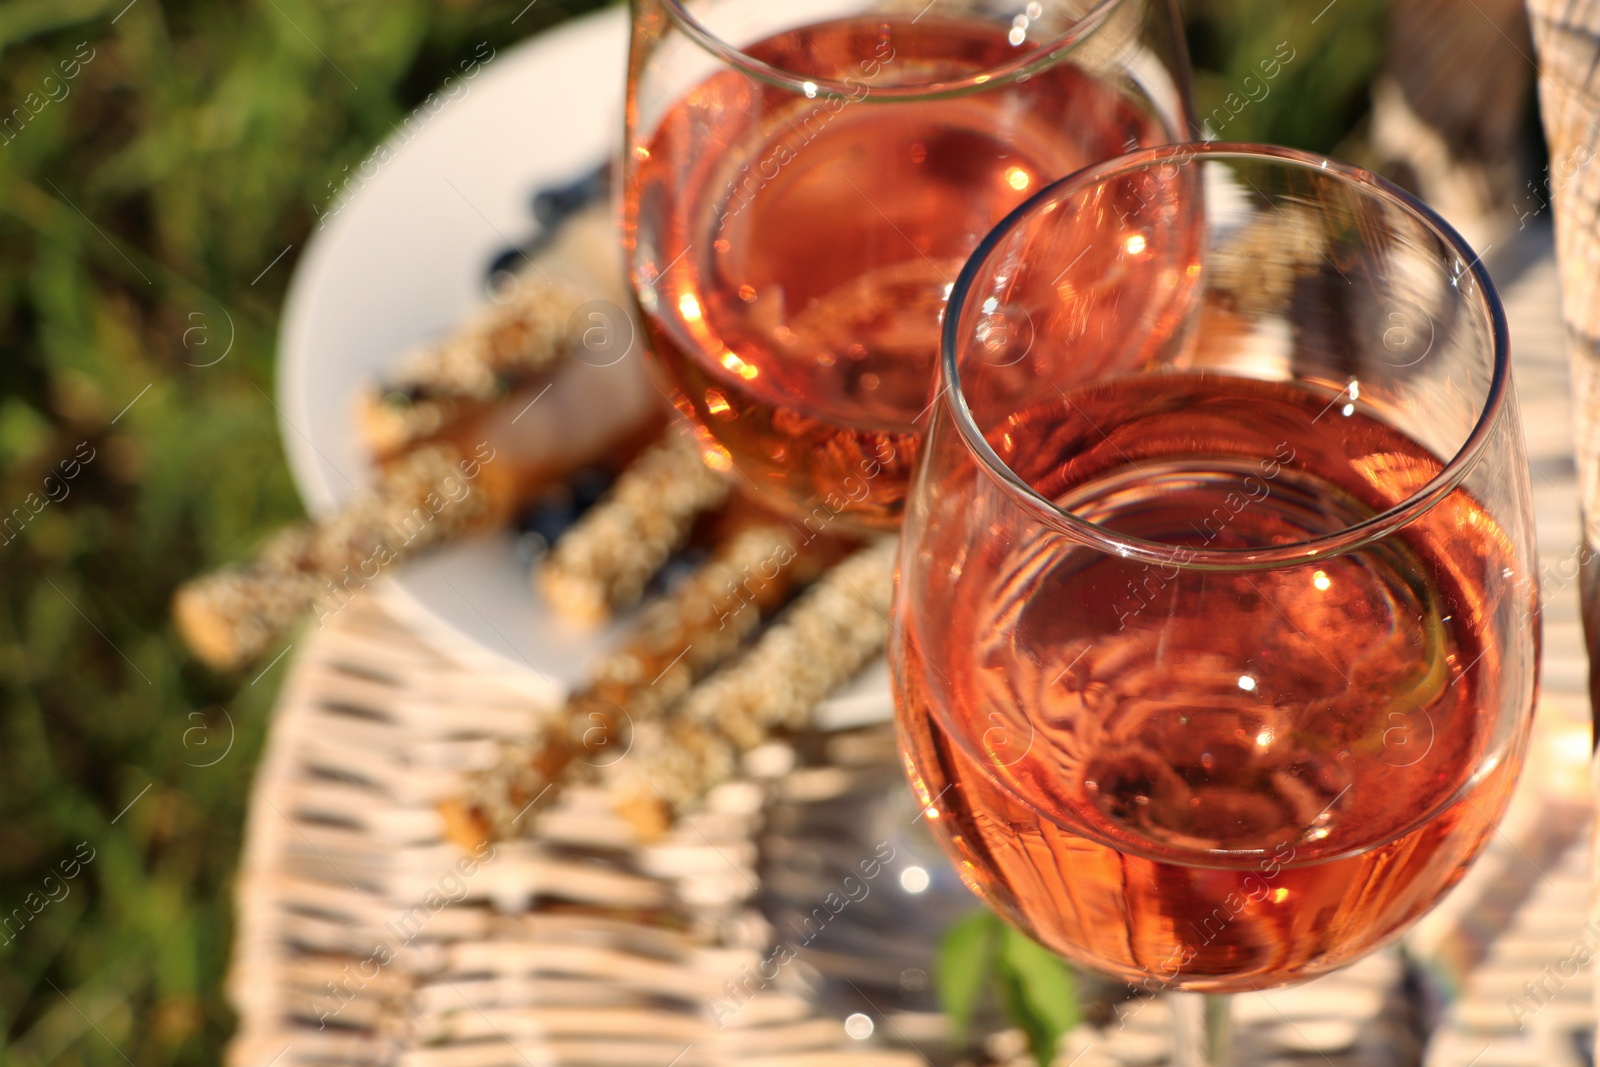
(474, 476)
(231, 617)
(520, 405)
(520, 334)
(701, 623)
(535, 314)
(603, 563)
(822, 641)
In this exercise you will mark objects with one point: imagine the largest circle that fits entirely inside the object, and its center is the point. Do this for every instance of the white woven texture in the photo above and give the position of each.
(1524, 908)
(365, 937)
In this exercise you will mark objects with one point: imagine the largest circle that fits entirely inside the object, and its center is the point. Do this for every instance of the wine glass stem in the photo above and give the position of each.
(1201, 1032)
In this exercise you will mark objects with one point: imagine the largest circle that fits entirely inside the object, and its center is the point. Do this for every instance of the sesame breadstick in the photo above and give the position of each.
(679, 639)
(819, 643)
(472, 477)
(230, 617)
(603, 563)
(425, 498)
(520, 334)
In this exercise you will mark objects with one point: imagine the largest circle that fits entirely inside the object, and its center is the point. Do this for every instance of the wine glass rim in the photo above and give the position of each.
(1228, 559)
(1044, 54)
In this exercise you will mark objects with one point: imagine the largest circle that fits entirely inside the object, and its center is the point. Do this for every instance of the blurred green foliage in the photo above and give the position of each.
(1294, 74)
(155, 158)
(1035, 988)
(167, 153)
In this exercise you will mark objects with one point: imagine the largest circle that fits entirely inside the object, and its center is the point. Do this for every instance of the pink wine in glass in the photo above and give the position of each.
(792, 274)
(1221, 781)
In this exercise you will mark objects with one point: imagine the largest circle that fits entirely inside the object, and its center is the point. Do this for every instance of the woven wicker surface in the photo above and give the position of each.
(1524, 908)
(365, 937)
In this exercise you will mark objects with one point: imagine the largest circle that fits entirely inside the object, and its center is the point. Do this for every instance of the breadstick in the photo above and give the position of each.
(583, 416)
(819, 643)
(518, 336)
(603, 563)
(677, 641)
(231, 617)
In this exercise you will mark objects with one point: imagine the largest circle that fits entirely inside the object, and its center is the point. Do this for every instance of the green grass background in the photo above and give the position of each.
(139, 214)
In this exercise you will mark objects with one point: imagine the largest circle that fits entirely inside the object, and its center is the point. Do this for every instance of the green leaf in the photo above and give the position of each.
(1039, 990)
(966, 957)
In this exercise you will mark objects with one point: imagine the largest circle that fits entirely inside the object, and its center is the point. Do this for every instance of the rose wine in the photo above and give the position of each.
(792, 256)
(1214, 781)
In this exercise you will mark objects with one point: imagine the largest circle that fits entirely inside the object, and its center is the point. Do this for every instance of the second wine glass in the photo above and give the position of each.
(1217, 622)
(803, 183)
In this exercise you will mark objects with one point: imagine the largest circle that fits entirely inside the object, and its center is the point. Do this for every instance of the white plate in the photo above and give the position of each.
(402, 260)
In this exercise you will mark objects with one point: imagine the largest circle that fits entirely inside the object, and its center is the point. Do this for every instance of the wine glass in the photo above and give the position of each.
(802, 185)
(1216, 628)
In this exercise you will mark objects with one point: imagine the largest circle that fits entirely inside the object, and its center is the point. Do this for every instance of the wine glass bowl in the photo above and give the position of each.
(1216, 623)
(803, 185)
